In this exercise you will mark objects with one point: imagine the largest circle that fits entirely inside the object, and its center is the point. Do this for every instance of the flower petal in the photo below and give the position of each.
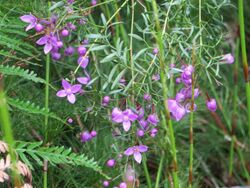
(76, 88)
(137, 157)
(83, 61)
(129, 151)
(83, 80)
(43, 40)
(142, 148)
(30, 26)
(47, 48)
(117, 115)
(66, 85)
(61, 93)
(71, 98)
(28, 18)
(126, 125)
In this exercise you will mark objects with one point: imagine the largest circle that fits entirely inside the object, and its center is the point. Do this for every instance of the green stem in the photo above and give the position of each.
(244, 57)
(7, 133)
(158, 177)
(159, 37)
(243, 163)
(131, 48)
(46, 119)
(146, 172)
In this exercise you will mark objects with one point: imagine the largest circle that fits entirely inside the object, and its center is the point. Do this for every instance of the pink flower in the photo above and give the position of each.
(69, 91)
(136, 151)
(49, 41)
(125, 117)
(211, 105)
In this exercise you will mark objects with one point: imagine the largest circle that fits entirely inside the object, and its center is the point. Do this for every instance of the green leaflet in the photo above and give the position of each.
(54, 155)
(18, 71)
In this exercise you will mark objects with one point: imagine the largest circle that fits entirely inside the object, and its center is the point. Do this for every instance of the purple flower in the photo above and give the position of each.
(39, 27)
(211, 105)
(65, 33)
(70, 1)
(85, 136)
(69, 51)
(123, 185)
(136, 151)
(180, 97)
(125, 117)
(32, 20)
(229, 58)
(144, 124)
(83, 61)
(82, 50)
(155, 51)
(48, 41)
(105, 183)
(140, 113)
(176, 110)
(153, 119)
(140, 133)
(105, 100)
(153, 132)
(69, 91)
(147, 97)
(93, 2)
(156, 77)
(111, 163)
(178, 80)
(55, 55)
(83, 80)
(70, 120)
(93, 133)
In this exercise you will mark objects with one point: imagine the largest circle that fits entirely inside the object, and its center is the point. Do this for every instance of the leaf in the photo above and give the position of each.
(18, 71)
(118, 78)
(55, 155)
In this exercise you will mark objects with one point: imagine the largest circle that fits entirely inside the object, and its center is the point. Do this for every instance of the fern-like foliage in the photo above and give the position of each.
(32, 108)
(18, 71)
(54, 155)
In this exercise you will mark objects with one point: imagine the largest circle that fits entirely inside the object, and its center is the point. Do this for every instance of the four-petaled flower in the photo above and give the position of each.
(69, 91)
(125, 117)
(32, 20)
(49, 41)
(136, 151)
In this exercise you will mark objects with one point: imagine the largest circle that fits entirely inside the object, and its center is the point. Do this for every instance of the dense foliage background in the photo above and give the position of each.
(122, 35)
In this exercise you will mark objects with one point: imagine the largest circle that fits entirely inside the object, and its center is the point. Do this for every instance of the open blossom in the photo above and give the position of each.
(32, 20)
(136, 151)
(69, 91)
(49, 41)
(176, 110)
(125, 117)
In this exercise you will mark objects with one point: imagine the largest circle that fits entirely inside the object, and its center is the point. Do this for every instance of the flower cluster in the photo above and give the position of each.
(54, 38)
(86, 136)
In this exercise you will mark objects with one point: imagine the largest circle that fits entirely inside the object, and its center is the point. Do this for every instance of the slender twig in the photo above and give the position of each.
(131, 48)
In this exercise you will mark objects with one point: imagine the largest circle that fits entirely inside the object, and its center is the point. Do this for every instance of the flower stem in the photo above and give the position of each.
(158, 177)
(159, 36)
(146, 172)
(131, 48)
(46, 119)
(244, 58)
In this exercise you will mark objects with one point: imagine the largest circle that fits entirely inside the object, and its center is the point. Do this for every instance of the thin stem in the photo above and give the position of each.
(146, 172)
(244, 58)
(131, 48)
(164, 68)
(158, 177)
(235, 105)
(191, 140)
(243, 163)
(46, 119)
